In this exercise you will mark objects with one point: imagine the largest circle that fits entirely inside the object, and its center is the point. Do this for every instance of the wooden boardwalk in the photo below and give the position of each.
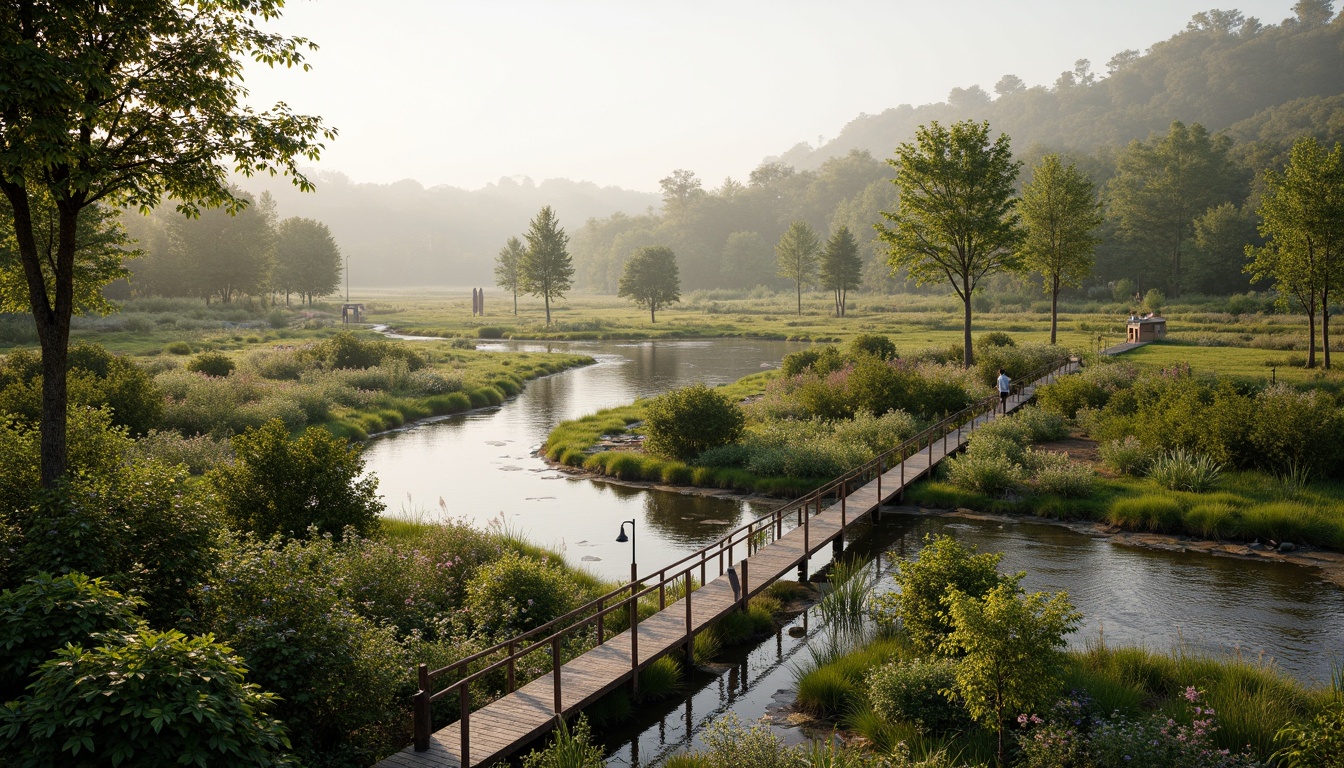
(500, 728)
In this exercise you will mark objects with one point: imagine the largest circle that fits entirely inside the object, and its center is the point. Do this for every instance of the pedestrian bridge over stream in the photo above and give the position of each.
(692, 594)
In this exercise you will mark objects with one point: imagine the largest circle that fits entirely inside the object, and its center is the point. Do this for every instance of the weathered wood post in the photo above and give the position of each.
(422, 719)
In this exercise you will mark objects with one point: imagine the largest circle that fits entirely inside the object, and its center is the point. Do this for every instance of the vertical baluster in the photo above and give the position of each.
(423, 718)
(464, 709)
(555, 673)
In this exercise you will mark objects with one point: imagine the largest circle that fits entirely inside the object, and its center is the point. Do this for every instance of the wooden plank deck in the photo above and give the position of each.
(503, 726)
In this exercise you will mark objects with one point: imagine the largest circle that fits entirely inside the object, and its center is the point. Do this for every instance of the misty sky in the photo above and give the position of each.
(464, 92)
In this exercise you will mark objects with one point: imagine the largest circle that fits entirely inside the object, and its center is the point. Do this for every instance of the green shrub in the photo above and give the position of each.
(280, 604)
(1057, 476)
(992, 473)
(1040, 425)
(1180, 470)
(914, 691)
(943, 565)
(47, 613)
(1127, 456)
(686, 422)
(347, 350)
(993, 339)
(729, 743)
(875, 345)
(178, 348)
(1150, 512)
(146, 698)
(1071, 394)
(516, 593)
(96, 378)
(821, 361)
(283, 485)
(211, 364)
(1318, 743)
(1298, 429)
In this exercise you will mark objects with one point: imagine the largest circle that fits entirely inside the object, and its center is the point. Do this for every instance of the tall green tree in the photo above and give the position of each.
(307, 259)
(841, 266)
(796, 256)
(228, 253)
(122, 103)
(509, 268)
(547, 270)
(956, 219)
(1302, 218)
(651, 279)
(1060, 211)
(1161, 186)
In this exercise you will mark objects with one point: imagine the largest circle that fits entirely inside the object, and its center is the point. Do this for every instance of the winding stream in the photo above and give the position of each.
(483, 467)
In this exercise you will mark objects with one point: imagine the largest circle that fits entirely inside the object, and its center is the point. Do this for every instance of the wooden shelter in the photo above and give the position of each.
(1150, 328)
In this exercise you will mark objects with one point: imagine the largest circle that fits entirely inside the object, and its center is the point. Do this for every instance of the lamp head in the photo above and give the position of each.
(621, 537)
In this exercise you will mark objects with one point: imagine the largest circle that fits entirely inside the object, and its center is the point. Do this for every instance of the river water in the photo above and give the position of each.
(483, 466)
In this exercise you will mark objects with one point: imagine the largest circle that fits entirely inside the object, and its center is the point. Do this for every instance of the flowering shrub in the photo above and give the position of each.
(1070, 738)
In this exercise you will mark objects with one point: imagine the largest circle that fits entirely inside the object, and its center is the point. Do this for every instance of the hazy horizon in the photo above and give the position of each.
(467, 93)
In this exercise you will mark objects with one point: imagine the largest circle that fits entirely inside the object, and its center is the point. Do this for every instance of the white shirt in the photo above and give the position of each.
(1005, 383)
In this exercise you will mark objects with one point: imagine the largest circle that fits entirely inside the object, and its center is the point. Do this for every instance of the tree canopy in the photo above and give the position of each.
(1060, 211)
(547, 270)
(307, 259)
(509, 268)
(841, 266)
(1303, 219)
(796, 256)
(651, 279)
(125, 103)
(956, 220)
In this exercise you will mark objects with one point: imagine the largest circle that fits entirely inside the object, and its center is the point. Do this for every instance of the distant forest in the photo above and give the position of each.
(1241, 89)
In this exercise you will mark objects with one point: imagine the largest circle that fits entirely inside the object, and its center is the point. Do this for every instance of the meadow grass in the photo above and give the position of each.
(1242, 506)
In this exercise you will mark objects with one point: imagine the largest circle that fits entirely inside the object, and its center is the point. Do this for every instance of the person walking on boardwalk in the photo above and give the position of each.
(1005, 386)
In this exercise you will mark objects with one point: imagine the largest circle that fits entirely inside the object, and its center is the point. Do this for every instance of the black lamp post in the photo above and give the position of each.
(622, 538)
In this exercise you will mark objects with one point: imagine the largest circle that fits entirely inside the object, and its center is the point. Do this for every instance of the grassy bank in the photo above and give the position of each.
(574, 443)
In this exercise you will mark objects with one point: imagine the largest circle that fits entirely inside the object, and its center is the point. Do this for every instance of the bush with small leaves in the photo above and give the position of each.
(873, 344)
(212, 364)
(1127, 456)
(943, 565)
(914, 691)
(282, 604)
(515, 593)
(96, 379)
(732, 744)
(686, 422)
(1054, 475)
(281, 485)
(144, 699)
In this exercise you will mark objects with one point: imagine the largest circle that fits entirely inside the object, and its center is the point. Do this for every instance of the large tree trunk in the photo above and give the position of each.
(547, 297)
(1325, 326)
(1311, 333)
(968, 356)
(1054, 309)
(800, 297)
(652, 307)
(515, 302)
(53, 324)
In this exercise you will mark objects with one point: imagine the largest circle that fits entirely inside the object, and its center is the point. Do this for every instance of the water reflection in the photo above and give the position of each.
(482, 464)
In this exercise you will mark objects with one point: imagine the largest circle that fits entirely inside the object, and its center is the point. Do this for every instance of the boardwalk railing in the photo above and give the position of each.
(678, 580)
